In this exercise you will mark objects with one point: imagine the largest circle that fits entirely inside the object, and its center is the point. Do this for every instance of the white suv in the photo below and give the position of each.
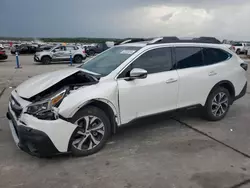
(61, 53)
(77, 109)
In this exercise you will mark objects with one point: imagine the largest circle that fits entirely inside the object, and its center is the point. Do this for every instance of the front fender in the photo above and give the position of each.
(105, 92)
(45, 54)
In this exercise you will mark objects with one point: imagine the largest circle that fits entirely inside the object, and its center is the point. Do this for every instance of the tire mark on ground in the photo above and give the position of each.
(1, 93)
(241, 184)
(218, 141)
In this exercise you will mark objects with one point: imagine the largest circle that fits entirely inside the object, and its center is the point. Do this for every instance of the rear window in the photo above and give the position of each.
(212, 55)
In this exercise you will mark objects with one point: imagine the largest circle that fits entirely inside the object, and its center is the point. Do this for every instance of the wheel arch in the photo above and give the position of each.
(226, 84)
(109, 109)
(77, 55)
(46, 55)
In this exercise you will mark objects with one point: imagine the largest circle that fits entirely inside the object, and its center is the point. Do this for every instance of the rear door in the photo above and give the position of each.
(193, 75)
(199, 70)
(69, 49)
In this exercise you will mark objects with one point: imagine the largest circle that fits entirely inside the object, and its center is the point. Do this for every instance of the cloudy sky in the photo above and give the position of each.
(227, 19)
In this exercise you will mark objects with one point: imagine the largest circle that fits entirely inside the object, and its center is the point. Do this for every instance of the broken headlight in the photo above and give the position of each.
(46, 105)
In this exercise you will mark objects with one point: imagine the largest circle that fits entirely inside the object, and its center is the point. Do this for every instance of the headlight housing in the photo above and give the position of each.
(46, 105)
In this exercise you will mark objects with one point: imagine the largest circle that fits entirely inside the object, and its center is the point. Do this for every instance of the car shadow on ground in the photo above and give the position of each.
(143, 127)
(3, 61)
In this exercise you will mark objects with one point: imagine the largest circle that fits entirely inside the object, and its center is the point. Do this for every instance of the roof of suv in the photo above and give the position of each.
(202, 41)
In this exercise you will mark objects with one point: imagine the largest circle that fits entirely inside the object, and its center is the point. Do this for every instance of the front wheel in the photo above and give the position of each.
(92, 132)
(46, 60)
(217, 105)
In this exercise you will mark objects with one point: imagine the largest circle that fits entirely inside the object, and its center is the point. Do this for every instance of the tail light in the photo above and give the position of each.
(232, 48)
(244, 66)
(84, 52)
(2, 52)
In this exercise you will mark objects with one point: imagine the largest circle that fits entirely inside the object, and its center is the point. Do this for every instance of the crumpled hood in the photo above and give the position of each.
(39, 83)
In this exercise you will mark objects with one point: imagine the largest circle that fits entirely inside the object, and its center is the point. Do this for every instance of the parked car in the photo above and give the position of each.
(248, 51)
(77, 109)
(24, 49)
(61, 53)
(239, 47)
(92, 50)
(246, 48)
(3, 55)
(44, 48)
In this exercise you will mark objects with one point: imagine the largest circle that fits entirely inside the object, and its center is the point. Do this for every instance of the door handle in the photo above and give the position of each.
(212, 73)
(171, 80)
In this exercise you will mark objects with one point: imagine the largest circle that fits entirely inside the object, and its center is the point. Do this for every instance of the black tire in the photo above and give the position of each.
(46, 60)
(207, 109)
(238, 51)
(90, 111)
(78, 59)
(91, 53)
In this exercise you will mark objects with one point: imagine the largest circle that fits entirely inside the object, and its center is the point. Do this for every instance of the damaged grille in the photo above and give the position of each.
(15, 106)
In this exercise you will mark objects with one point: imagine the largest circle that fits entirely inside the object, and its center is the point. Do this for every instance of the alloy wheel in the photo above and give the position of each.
(89, 134)
(220, 104)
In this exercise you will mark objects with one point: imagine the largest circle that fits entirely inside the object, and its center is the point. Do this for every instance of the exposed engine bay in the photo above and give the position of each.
(73, 82)
(44, 104)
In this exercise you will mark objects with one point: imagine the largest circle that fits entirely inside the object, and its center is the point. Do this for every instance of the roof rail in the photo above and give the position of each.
(173, 39)
(130, 40)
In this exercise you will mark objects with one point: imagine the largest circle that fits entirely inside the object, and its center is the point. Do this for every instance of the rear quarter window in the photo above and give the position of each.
(212, 56)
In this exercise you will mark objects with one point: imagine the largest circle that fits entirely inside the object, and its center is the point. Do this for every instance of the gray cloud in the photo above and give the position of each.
(166, 17)
(118, 18)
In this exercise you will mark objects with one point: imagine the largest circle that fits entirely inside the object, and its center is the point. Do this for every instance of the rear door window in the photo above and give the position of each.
(212, 55)
(187, 57)
(70, 48)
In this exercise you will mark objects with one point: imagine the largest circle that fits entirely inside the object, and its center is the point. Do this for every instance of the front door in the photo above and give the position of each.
(154, 94)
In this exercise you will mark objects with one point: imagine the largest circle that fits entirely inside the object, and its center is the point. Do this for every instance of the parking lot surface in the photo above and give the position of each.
(171, 150)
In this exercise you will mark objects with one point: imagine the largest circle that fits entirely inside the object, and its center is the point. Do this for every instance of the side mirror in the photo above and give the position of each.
(53, 51)
(137, 73)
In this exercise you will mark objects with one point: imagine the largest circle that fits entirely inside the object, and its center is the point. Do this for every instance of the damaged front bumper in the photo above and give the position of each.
(37, 137)
(36, 58)
(30, 140)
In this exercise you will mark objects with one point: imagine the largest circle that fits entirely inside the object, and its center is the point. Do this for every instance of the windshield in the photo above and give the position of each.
(109, 60)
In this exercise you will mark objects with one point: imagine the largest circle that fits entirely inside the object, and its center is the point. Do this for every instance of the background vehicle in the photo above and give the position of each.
(24, 49)
(44, 48)
(3, 55)
(76, 109)
(61, 53)
(246, 48)
(239, 47)
(92, 50)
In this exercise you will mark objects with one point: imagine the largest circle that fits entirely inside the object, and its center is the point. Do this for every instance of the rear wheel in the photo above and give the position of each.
(217, 105)
(78, 59)
(46, 60)
(92, 132)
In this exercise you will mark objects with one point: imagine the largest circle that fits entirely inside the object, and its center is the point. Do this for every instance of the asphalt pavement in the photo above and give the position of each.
(177, 150)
